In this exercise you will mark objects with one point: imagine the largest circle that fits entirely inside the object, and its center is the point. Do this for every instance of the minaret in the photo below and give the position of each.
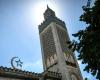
(55, 53)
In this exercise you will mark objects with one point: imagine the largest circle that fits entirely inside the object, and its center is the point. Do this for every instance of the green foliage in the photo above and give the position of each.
(86, 78)
(88, 44)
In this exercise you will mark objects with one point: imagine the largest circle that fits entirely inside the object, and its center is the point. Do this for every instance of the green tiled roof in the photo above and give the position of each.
(20, 74)
(16, 73)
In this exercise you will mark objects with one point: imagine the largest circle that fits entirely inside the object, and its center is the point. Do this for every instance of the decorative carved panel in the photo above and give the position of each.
(48, 44)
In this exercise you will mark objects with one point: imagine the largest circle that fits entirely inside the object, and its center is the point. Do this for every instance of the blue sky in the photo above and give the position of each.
(19, 36)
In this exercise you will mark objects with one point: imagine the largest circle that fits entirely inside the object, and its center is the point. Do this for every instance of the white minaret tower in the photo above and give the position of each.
(55, 53)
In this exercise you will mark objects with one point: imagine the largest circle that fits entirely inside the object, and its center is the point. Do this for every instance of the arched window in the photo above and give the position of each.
(55, 57)
(48, 62)
(51, 60)
(73, 77)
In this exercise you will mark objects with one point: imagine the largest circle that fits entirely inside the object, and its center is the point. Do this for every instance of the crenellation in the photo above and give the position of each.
(51, 19)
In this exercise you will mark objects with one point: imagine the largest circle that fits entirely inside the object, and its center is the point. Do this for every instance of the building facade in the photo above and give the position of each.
(56, 55)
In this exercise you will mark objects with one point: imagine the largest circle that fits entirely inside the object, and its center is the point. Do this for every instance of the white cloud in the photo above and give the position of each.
(79, 61)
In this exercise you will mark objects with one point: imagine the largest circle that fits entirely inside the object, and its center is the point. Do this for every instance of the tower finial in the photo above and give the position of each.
(47, 6)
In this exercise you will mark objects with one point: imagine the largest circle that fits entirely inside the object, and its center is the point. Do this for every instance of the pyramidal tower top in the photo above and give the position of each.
(49, 17)
(49, 13)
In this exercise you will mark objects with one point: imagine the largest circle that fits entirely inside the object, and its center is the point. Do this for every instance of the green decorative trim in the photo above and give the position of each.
(51, 74)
